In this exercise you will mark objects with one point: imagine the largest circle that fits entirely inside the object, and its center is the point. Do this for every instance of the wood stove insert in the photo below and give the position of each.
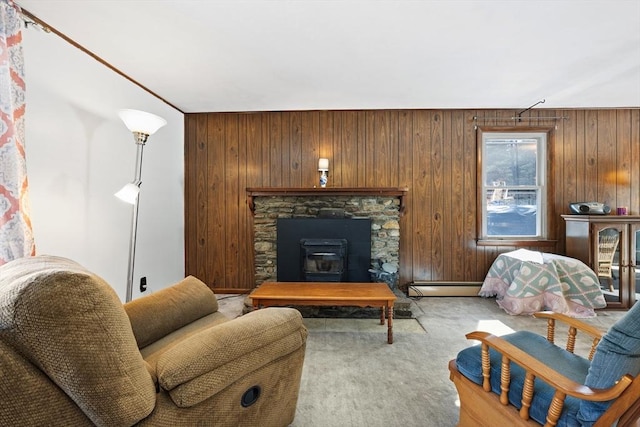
(318, 249)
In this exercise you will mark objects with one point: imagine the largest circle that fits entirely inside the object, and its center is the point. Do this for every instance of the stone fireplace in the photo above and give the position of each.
(381, 207)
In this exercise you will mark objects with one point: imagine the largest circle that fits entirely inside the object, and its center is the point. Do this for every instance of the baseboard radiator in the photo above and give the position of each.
(444, 289)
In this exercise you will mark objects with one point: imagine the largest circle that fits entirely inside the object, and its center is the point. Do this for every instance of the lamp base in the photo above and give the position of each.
(323, 179)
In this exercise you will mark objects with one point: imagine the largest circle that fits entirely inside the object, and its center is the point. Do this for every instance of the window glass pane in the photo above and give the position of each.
(512, 213)
(510, 161)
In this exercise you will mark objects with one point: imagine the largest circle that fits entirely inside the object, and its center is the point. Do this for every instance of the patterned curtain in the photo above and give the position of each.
(16, 235)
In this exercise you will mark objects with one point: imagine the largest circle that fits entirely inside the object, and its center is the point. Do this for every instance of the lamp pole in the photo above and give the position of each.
(134, 222)
(141, 124)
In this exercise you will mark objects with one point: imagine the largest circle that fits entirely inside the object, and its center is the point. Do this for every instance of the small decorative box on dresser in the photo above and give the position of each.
(610, 245)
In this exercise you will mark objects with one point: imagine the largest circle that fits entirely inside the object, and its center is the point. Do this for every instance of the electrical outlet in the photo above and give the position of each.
(143, 284)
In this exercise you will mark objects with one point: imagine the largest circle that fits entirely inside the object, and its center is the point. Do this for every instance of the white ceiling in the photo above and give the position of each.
(273, 55)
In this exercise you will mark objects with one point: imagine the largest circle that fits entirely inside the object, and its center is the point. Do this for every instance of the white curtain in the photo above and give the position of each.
(16, 235)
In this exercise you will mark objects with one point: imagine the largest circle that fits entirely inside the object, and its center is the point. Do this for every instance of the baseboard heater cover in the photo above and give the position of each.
(444, 289)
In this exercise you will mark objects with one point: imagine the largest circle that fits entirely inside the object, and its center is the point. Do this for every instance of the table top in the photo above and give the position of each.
(338, 291)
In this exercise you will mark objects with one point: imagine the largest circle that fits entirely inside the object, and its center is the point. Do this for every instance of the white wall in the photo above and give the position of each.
(79, 153)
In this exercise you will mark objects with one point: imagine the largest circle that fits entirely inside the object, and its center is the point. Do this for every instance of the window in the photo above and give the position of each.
(513, 191)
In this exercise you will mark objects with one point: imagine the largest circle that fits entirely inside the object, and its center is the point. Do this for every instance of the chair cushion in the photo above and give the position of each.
(469, 364)
(617, 354)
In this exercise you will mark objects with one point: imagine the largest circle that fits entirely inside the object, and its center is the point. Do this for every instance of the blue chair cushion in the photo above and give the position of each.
(617, 354)
(469, 364)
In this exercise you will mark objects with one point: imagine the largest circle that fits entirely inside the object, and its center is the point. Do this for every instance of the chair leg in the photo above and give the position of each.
(611, 284)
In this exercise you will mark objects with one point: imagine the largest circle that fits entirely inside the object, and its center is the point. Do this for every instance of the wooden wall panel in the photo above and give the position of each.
(190, 157)
(362, 149)
(594, 155)
(606, 156)
(456, 251)
(590, 177)
(216, 203)
(421, 194)
(245, 226)
(581, 155)
(405, 179)
(311, 148)
(467, 211)
(295, 150)
(231, 194)
(622, 167)
(437, 191)
(198, 211)
(634, 185)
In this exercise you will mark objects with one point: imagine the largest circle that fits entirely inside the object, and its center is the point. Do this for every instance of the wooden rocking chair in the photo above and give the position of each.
(523, 379)
(607, 245)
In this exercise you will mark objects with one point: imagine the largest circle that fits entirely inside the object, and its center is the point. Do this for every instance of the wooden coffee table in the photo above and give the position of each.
(328, 294)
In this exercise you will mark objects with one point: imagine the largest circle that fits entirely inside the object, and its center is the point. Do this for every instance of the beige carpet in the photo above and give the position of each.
(352, 377)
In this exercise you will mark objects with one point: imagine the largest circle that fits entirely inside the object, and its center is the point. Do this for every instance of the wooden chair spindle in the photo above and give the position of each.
(527, 395)
(505, 380)
(486, 368)
(551, 330)
(555, 409)
(571, 339)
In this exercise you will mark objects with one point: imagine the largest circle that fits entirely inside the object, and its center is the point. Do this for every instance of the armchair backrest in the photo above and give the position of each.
(71, 325)
(617, 354)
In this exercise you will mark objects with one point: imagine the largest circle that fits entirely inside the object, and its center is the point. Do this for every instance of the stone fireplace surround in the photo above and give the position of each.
(384, 206)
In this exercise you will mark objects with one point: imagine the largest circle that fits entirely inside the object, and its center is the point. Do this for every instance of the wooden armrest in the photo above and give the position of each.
(549, 375)
(575, 325)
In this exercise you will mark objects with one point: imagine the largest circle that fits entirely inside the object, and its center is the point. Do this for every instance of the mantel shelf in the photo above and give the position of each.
(253, 192)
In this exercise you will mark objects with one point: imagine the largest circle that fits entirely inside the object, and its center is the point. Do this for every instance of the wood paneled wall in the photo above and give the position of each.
(594, 154)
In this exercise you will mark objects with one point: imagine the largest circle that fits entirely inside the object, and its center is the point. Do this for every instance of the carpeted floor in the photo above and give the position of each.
(352, 377)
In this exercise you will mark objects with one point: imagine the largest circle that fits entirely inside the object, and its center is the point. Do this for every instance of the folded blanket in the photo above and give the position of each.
(524, 282)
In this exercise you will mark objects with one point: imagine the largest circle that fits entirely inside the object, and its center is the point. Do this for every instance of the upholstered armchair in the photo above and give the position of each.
(523, 379)
(72, 355)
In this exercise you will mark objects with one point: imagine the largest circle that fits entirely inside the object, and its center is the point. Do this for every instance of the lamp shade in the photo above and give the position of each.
(323, 164)
(128, 193)
(141, 121)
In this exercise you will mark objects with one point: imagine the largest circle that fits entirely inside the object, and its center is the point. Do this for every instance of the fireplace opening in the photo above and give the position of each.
(324, 260)
(321, 249)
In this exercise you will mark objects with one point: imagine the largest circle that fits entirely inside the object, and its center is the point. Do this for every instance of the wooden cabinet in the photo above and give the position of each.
(610, 245)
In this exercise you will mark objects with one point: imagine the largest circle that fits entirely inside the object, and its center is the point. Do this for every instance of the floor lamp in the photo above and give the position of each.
(142, 124)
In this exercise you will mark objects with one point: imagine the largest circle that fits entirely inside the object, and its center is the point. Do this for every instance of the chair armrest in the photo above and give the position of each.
(552, 377)
(211, 360)
(180, 304)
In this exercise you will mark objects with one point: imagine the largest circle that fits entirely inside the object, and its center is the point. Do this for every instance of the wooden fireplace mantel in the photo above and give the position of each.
(253, 192)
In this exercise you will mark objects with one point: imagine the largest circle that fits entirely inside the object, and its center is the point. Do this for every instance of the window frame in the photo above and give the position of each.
(543, 203)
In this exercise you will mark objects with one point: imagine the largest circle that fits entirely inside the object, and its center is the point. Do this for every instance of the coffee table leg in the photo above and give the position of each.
(382, 315)
(390, 324)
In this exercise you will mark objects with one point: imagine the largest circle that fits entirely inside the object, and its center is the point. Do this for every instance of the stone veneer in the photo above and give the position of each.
(384, 212)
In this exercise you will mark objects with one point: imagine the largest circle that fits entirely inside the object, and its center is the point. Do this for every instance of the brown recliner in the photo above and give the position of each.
(72, 354)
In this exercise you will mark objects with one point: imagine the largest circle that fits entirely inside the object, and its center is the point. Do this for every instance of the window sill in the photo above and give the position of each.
(517, 243)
